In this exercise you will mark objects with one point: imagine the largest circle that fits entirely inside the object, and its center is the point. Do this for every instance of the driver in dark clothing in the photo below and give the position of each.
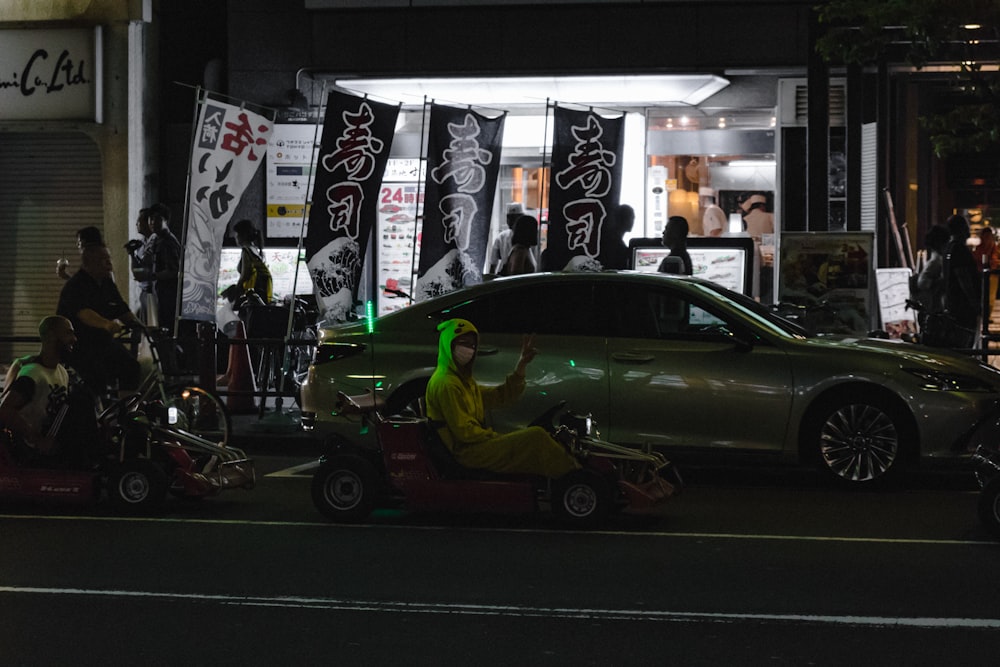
(91, 301)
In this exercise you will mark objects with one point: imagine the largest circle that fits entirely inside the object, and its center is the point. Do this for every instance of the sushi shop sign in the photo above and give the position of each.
(50, 74)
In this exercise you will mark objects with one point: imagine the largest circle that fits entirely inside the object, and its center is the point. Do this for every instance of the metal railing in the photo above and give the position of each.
(202, 366)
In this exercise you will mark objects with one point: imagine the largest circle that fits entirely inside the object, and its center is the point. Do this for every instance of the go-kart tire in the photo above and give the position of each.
(582, 497)
(345, 488)
(137, 485)
(989, 507)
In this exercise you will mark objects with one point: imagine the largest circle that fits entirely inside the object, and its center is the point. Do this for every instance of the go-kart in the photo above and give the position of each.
(410, 467)
(157, 440)
(145, 454)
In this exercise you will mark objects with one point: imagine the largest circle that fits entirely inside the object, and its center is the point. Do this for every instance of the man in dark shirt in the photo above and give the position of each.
(614, 250)
(962, 298)
(91, 301)
(165, 265)
(675, 238)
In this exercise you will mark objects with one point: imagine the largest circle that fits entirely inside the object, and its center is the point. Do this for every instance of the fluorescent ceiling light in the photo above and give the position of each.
(504, 92)
(752, 163)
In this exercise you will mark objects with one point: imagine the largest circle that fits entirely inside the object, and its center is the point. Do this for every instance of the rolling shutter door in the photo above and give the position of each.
(50, 186)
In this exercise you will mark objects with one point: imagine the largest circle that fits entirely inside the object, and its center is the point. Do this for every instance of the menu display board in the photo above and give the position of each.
(727, 261)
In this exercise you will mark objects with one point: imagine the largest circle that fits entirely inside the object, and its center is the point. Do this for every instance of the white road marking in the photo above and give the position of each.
(486, 529)
(523, 611)
(295, 471)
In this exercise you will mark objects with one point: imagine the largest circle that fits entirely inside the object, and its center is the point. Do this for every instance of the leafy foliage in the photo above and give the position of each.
(919, 33)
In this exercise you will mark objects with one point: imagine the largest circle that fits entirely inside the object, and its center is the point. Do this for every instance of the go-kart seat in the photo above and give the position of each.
(444, 461)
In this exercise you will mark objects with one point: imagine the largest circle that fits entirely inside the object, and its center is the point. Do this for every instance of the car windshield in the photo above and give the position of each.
(758, 312)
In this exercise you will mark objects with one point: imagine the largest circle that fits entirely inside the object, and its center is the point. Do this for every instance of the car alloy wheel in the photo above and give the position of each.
(859, 442)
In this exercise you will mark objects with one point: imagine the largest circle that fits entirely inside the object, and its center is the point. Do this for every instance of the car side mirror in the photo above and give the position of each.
(741, 343)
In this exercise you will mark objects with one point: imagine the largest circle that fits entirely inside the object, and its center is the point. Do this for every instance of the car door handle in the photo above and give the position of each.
(632, 357)
(487, 350)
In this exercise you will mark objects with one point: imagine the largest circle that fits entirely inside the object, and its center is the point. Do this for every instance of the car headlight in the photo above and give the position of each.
(942, 381)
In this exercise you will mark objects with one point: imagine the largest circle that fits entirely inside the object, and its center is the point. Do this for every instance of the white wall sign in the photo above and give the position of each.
(50, 74)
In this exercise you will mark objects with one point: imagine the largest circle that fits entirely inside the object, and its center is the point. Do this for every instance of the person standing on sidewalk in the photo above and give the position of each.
(165, 265)
(987, 256)
(962, 293)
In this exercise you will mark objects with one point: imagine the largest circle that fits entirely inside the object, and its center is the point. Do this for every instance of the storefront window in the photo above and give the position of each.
(718, 171)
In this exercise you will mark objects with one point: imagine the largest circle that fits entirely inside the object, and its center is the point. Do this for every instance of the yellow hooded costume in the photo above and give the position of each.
(454, 398)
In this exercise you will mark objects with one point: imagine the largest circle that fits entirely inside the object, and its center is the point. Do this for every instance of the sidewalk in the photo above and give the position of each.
(274, 434)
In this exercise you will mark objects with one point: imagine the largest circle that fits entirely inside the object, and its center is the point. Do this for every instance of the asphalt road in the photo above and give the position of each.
(747, 567)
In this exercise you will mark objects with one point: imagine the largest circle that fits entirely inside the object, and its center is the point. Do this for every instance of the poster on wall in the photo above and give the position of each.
(830, 275)
(397, 239)
(291, 154)
(893, 292)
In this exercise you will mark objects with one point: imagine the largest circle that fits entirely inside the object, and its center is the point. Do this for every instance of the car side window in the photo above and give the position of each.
(564, 308)
(663, 314)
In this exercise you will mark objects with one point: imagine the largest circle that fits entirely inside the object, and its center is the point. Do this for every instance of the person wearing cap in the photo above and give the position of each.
(758, 221)
(501, 245)
(756, 217)
(457, 405)
(713, 220)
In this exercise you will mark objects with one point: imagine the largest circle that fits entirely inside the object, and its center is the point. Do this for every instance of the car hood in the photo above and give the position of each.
(906, 354)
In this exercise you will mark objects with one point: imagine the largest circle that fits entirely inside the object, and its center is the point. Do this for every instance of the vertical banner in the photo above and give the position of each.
(585, 186)
(354, 149)
(463, 164)
(230, 144)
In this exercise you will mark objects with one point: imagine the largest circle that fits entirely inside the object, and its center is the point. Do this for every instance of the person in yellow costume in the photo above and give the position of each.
(455, 400)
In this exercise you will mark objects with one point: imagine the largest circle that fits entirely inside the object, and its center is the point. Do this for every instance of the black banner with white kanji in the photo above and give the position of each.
(354, 149)
(463, 164)
(585, 186)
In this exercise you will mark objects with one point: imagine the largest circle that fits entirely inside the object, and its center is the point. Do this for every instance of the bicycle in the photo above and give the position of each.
(181, 429)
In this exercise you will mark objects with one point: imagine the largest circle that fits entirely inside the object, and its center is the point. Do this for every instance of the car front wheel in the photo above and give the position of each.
(858, 439)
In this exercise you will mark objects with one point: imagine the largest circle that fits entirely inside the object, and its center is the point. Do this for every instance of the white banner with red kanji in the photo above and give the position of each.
(229, 146)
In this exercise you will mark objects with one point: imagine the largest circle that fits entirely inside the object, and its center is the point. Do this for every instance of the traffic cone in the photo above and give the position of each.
(242, 384)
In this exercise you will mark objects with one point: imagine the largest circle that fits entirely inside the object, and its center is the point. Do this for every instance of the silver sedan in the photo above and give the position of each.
(682, 365)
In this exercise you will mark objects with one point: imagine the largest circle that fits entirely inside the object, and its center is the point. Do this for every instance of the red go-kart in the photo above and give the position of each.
(148, 449)
(411, 468)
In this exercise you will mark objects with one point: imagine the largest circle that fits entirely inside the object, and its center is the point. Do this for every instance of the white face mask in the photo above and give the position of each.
(463, 354)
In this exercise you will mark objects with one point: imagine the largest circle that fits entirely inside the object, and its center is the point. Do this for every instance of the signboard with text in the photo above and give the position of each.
(50, 74)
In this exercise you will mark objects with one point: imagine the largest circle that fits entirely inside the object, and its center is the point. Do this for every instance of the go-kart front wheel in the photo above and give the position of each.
(137, 485)
(582, 497)
(345, 488)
